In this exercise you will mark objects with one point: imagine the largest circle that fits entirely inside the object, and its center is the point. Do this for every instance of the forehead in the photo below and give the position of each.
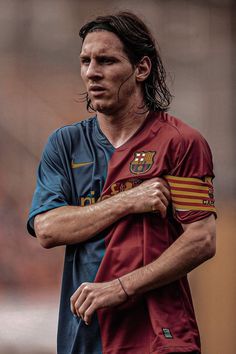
(102, 42)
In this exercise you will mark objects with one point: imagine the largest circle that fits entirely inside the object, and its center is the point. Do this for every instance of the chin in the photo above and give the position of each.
(103, 108)
(105, 112)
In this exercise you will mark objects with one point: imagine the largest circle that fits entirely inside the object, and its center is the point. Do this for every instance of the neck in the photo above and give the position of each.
(121, 126)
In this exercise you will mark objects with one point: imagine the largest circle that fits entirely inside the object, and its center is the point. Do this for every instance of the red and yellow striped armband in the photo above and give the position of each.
(191, 193)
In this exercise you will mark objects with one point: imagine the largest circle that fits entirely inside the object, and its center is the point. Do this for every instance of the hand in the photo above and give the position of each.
(152, 195)
(90, 297)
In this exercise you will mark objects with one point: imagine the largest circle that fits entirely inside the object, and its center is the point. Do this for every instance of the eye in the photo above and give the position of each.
(106, 60)
(85, 60)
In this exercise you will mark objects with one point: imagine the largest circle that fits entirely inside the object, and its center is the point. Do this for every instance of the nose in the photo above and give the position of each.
(93, 71)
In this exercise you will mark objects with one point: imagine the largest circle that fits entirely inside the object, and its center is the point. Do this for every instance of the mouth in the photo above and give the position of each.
(96, 90)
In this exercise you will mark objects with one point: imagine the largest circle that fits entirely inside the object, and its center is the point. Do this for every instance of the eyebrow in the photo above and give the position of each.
(83, 55)
(97, 55)
(101, 56)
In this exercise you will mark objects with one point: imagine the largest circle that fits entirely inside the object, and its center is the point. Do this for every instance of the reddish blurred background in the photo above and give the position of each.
(40, 86)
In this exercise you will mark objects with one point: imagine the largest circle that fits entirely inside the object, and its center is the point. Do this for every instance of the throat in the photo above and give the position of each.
(120, 130)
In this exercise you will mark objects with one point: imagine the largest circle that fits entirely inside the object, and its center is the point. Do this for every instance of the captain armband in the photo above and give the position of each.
(191, 193)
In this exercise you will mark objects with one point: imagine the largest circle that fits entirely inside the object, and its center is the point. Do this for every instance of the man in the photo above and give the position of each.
(129, 192)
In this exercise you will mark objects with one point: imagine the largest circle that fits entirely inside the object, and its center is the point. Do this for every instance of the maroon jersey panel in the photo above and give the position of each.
(161, 321)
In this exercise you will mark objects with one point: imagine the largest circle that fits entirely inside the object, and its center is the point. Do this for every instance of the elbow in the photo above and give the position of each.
(42, 227)
(46, 243)
(209, 245)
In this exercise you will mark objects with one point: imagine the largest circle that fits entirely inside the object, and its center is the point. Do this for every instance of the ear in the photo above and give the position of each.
(143, 69)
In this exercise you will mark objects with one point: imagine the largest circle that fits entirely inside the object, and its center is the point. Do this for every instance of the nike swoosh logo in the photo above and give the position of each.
(80, 164)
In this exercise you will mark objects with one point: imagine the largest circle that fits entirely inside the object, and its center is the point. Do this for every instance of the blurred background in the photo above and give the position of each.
(39, 92)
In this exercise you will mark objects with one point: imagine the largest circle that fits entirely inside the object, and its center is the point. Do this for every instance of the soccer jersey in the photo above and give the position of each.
(80, 167)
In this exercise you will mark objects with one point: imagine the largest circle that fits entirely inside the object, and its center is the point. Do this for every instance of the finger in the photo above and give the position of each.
(75, 296)
(161, 208)
(164, 187)
(79, 303)
(166, 192)
(82, 305)
(72, 303)
(159, 184)
(162, 199)
(159, 198)
(89, 313)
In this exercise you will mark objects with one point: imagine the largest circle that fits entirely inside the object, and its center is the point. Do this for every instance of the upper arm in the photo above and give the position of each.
(191, 178)
(203, 233)
(53, 188)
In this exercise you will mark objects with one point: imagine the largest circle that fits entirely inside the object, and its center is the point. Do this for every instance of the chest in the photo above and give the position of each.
(100, 171)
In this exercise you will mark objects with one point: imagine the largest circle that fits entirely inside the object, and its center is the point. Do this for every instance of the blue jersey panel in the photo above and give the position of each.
(73, 171)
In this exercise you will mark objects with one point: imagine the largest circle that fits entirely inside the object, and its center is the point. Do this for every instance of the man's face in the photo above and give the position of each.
(108, 75)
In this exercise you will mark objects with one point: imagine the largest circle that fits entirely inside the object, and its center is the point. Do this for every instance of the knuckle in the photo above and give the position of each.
(90, 296)
(83, 285)
(80, 310)
(88, 313)
(95, 302)
(85, 289)
(80, 313)
(76, 306)
(157, 196)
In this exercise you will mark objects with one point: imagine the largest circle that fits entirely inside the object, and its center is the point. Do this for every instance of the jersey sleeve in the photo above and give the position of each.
(52, 187)
(191, 179)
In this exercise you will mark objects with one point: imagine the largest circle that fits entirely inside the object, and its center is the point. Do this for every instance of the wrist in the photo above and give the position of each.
(127, 285)
(119, 290)
(123, 288)
(125, 206)
(135, 283)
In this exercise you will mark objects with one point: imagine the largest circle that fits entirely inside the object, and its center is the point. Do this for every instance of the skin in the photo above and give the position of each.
(104, 63)
(114, 86)
(193, 247)
(73, 224)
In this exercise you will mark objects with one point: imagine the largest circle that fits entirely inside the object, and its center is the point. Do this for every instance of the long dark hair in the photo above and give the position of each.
(138, 42)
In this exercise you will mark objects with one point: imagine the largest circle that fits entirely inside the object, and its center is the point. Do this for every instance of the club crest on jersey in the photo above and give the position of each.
(142, 162)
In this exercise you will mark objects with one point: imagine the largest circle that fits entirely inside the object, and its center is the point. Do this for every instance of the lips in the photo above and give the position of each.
(96, 89)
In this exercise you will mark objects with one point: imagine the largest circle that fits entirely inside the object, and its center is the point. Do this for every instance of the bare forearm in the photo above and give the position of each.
(74, 224)
(196, 245)
(191, 249)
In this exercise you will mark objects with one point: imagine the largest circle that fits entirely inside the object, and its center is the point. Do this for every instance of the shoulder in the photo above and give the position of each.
(184, 146)
(68, 133)
(74, 128)
(179, 135)
(177, 130)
